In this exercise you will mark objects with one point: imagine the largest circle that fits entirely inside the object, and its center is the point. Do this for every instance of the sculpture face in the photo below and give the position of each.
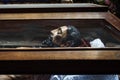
(59, 34)
(64, 36)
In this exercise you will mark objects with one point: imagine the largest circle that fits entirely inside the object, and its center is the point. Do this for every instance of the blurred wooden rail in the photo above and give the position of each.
(61, 15)
(60, 55)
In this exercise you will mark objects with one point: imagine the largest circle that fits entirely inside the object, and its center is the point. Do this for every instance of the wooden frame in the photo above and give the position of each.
(37, 8)
(61, 53)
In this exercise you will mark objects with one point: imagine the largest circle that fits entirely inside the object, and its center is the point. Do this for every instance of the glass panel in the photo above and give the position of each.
(30, 33)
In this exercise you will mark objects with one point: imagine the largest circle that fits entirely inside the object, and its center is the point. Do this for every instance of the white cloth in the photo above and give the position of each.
(84, 77)
(97, 43)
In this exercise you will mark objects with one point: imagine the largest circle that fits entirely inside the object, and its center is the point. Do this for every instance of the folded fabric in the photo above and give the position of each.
(97, 43)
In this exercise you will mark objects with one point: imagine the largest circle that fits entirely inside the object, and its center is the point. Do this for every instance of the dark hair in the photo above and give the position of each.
(73, 36)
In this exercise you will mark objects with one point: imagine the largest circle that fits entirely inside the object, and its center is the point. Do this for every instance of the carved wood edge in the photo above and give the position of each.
(115, 21)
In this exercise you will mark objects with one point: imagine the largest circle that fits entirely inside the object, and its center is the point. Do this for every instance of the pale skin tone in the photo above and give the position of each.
(60, 33)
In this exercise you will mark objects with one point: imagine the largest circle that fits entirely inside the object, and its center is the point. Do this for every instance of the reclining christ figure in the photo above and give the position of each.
(69, 36)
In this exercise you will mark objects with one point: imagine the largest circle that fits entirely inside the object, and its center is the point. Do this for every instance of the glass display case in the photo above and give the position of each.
(26, 26)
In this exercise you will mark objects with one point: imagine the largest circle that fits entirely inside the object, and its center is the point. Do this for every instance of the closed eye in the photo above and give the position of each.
(59, 31)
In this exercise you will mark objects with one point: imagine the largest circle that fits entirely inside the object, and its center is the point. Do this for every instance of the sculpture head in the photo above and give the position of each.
(66, 36)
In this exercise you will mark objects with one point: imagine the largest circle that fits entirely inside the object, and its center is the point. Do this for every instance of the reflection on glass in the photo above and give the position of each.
(58, 33)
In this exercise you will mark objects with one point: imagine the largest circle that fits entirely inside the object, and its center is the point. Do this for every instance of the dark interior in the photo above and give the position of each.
(30, 33)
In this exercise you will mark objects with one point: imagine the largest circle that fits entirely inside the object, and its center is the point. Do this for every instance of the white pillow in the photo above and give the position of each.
(97, 43)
